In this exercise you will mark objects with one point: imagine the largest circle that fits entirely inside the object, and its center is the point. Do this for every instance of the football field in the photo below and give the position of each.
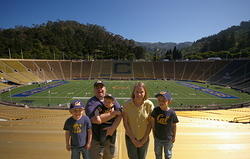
(60, 93)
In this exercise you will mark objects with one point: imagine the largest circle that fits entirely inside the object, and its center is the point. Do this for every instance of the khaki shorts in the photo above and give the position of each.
(95, 149)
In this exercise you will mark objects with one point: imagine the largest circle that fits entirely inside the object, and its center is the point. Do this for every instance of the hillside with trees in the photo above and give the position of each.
(72, 40)
(233, 42)
(66, 40)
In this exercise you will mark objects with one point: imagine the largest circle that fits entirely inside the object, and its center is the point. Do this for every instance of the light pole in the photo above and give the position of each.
(22, 53)
(9, 54)
(10, 95)
(49, 98)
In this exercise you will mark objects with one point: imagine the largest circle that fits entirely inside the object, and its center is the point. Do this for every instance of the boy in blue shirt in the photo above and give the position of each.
(78, 132)
(164, 122)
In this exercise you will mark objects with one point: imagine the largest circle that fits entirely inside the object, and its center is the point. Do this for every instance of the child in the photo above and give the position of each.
(164, 122)
(106, 137)
(78, 132)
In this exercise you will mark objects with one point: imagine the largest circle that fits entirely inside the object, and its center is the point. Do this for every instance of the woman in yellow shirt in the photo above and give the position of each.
(136, 119)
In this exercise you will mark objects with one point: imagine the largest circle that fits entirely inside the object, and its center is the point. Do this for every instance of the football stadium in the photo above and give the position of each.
(211, 99)
(129, 79)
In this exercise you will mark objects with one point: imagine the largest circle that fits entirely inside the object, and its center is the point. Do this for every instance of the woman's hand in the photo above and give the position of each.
(136, 142)
(87, 146)
(68, 147)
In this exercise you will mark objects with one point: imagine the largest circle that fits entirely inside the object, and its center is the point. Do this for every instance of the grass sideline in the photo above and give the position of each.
(83, 89)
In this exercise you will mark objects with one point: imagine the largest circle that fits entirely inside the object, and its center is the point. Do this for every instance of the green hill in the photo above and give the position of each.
(66, 40)
(233, 42)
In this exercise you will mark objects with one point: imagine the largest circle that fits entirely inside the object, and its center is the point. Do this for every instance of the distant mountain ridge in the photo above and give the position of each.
(163, 46)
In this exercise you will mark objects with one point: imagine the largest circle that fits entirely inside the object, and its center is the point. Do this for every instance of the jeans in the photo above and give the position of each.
(75, 153)
(135, 152)
(163, 144)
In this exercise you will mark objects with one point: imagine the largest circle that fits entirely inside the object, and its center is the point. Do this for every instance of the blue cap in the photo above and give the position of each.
(166, 95)
(76, 104)
(98, 83)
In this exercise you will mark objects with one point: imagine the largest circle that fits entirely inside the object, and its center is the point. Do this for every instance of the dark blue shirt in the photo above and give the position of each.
(101, 109)
(78, 130)
(164, 121)
(90, 109)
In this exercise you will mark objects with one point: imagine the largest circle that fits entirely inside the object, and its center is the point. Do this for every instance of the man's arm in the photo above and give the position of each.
(104, 117)
(96, 119)
(111, 129)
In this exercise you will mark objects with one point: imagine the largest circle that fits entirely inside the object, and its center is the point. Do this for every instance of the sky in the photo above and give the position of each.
(140, 20)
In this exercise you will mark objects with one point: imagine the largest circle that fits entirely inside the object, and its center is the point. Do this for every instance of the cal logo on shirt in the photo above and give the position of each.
(77, 128)
(162, 119)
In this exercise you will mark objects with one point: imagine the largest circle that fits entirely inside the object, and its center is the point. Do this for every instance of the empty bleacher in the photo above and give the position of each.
(12, 74)
(19, 113)
(95, 69)
(66, 69)
(22, 70)
(139, 70)
(45, 70)
(3, 86)
(169, 70)
(229, 115)
(76, 68)
(189, 70)
(179, 70)
(32, 67)
(56, 69)
(234, 73)
(106, 69)
(158, 70)
(86, 69)
(149, 71)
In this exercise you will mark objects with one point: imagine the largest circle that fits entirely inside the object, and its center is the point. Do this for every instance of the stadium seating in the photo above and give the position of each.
(169, 70)
(76, 69)
(179, 70)
(106, 69)
(158, 70)
(18, 113)
(32, 67)
(12, 74)
(138, 70)
(149, 70)
(95, 69)
(66, 67)
(21, 69)
(45, 70)
(56, 69)
(229, 115)
(234, 73)
(86, 69)
(189, 69)
(3, 86)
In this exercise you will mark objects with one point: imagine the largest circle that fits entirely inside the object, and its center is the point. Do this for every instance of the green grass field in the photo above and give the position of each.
(83, 89)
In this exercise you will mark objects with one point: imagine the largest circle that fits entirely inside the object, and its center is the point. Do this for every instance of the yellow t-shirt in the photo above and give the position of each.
(138, 117)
